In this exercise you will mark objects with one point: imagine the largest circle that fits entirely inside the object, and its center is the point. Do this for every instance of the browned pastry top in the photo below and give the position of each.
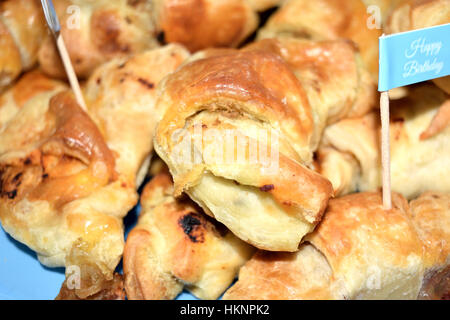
(330, 69)
(327, 19)
(358, 251)
(431, 214)
(337, 236)
(262, 85)
(97, 31)
(200, 24)
(30, 85)
(69, 164)
(175, 244)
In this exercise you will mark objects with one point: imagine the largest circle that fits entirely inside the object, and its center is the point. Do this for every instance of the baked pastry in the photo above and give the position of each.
(67, 183)
(327, 20)
(205, 23)
(236, 134)
(333, 91)
(431, 216)
(358, 251)
(121, 95)
(96, 31)
(32, 88)
(349, 155)
(45, 180)
(416, 163)
(22, 30)
(175, 245)
(335, 80)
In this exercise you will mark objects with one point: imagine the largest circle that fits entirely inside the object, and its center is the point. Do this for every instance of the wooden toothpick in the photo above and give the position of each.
(385, 150)
(53, 23)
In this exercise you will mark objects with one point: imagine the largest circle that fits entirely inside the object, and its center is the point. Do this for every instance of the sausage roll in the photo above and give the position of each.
(22, 29)
(327, 19)
(358, 251)
(68, 177)
(175, 245)
(236, 134)
(416, 163)
(96, 31)
(200, 24)
(431, 216)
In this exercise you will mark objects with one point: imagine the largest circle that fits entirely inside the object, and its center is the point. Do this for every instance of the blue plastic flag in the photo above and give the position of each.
(414, 56)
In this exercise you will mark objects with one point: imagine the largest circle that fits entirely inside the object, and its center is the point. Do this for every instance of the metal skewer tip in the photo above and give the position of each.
(50, 16)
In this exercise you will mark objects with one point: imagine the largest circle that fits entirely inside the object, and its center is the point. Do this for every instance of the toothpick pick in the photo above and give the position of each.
(385, 150)
(55, 27)
(70, 72)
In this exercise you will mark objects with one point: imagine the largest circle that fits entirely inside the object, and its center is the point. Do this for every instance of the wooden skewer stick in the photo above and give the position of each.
(55, 27)
(385, 150)
(70, 72)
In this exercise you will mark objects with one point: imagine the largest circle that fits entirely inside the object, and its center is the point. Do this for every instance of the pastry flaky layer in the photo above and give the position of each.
(240, 128)
(349, 154)
(335, 80)
(327, 19)
(257, 182)
(175, 245)
(201, 24)
(67, 176)
(22, 30)
(431, 215)
(97, 31)
(54, 186)
(359, 251)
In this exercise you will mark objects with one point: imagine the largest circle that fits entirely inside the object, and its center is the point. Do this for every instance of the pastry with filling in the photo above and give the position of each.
(290, 88)
(236, 134)
(175, 246)
(68, 177)
(358, 251)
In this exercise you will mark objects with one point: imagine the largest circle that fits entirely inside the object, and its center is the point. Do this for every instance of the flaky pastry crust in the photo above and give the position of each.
(175, 245)
(245, 91)
(327, 20)
(358, 251)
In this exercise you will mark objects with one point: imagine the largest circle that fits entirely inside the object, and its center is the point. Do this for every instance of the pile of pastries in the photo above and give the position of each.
(164, 82)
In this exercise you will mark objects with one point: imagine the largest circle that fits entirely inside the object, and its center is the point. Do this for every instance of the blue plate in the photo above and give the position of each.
(22, 277)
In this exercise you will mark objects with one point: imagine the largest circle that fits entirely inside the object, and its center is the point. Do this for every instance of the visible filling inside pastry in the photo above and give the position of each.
(250, 213)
